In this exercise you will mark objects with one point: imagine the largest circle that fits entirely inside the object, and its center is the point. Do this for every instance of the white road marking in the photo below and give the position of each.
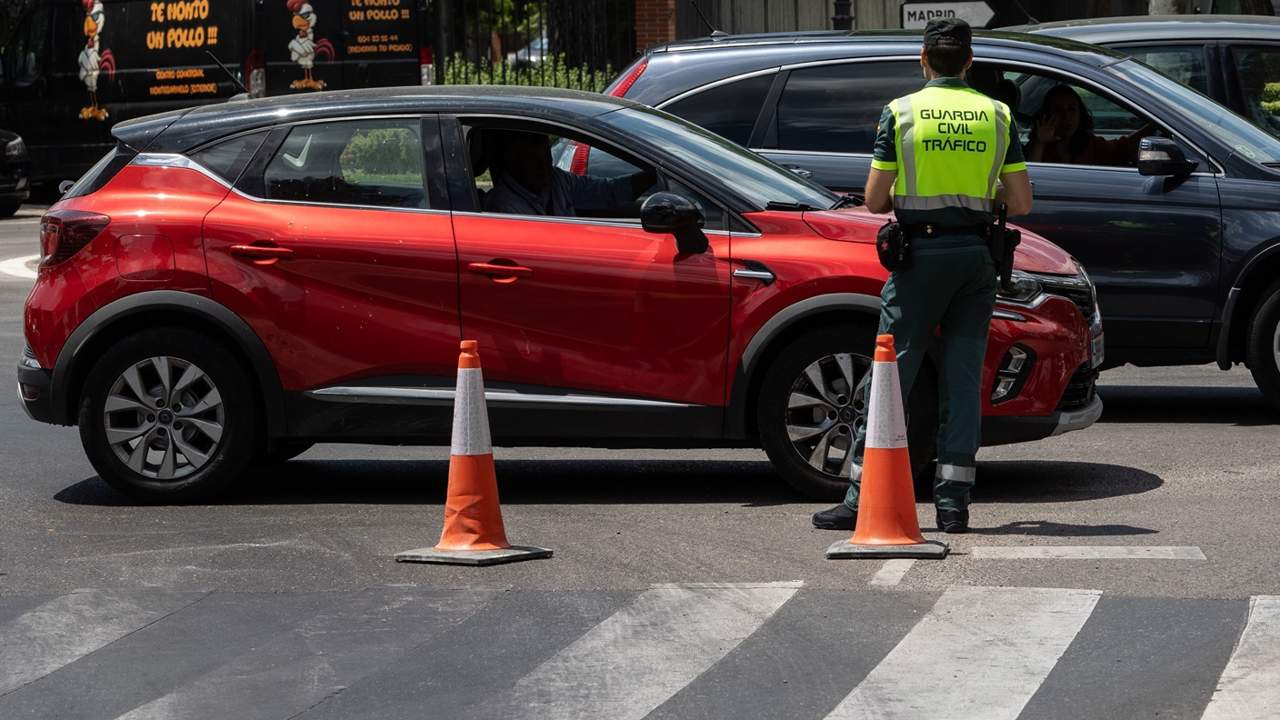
(980, 653)
(1089, 552)
(17, 267)
(892, 572)
(640, 656)
(1250, 685)
(68, 627)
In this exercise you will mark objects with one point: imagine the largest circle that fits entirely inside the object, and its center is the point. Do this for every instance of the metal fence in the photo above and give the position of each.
(578, 44)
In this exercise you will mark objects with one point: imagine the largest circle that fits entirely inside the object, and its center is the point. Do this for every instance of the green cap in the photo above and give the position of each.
(948, 32)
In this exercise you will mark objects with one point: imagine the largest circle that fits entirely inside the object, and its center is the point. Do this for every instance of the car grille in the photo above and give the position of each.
(1076, 290)
(1080, 389)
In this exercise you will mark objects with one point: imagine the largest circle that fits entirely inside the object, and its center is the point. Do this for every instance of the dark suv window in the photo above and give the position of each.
(227, 159)
(729, 110)
(835, 108)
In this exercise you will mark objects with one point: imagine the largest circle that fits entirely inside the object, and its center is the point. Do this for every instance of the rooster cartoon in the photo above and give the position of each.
(304, 48)
(93, 59)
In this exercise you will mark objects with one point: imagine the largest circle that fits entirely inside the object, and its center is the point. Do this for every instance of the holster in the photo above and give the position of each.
(893, 245)
(1003, 242)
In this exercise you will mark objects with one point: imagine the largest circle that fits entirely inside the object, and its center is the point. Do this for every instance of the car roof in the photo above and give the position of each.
(857, 38)
(1139, 28)
(676, 68)
(182, 130)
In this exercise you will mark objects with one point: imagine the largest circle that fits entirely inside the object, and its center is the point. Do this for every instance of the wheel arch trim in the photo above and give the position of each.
(1230, 326)
(247, 341)
(736, 420)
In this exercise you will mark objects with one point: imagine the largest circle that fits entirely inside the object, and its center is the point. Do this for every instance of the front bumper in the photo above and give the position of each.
(1007, 430)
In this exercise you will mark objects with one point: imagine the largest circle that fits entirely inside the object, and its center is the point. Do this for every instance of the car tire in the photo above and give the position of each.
(193, 451)
(790, 372)
(283, 451)
(9, 210)
(1263, 348)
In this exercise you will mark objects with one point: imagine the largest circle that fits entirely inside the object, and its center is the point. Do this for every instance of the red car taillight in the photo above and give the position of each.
(64, 232)
(621, 87)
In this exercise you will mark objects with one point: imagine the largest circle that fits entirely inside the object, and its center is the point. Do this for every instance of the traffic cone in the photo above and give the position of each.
(887, 525)
(473, 532)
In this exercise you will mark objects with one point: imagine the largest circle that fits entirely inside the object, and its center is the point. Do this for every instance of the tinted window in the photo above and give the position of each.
(835, 108)
(729, 110)
(741, 171)
(228, 158)
(101, 172)
(1258, 73)
(1184, 63)
(357, 162)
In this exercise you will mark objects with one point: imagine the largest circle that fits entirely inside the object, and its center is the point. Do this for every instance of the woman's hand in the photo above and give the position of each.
(1047, 129)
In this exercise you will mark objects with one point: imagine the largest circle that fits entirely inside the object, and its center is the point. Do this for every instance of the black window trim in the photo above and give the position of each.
(462, 174)
(1094, 86)
(251, 184)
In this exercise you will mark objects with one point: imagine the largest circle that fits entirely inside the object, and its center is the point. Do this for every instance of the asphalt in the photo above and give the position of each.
(1182, 458)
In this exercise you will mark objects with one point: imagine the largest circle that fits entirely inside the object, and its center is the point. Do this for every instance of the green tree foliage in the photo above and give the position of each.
(552, 72)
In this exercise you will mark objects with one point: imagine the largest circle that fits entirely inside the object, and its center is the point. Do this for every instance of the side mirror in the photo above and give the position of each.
(64, 186)
(668, 213)
(1160, 156)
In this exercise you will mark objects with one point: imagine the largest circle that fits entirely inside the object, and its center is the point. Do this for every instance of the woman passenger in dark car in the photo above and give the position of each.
(1062, 132)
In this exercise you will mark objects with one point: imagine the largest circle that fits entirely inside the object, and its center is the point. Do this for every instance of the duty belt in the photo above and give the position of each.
(931, 230)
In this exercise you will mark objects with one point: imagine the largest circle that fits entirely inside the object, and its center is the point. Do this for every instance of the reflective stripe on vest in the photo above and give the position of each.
(951, 143)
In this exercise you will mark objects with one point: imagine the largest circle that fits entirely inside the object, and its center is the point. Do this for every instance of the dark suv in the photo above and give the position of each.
(1184, 246)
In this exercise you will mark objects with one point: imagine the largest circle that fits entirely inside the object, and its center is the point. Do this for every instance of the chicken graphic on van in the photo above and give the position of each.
(94, 60)
(304, 48)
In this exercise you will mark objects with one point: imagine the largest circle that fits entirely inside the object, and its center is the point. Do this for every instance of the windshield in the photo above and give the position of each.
(1245, 138)
(756, 179)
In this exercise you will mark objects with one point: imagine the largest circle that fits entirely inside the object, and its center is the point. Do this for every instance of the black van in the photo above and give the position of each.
(71, 69)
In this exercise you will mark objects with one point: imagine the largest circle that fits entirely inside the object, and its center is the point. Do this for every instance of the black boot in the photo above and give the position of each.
(952, 520)
(839, 517)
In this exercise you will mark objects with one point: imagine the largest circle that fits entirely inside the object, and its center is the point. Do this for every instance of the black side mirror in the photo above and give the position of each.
(1161, 157)
(668, 213)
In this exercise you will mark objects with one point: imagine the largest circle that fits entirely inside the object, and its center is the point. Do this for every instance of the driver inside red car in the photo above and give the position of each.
(525, 182)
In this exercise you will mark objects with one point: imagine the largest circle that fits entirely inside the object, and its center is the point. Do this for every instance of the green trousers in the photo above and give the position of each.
(951, 284)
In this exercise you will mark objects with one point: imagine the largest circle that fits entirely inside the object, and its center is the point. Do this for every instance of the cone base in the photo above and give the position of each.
(514, 553)
(928, 550)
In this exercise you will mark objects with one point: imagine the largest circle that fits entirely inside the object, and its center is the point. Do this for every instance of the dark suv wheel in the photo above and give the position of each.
(167, 415)
(813, 400)
(1264, 345)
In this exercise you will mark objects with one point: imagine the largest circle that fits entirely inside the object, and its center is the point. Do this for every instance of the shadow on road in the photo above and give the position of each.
(531, 482)
(1047, 528)
(641, 482)
(1243, 406)
(1036, 481)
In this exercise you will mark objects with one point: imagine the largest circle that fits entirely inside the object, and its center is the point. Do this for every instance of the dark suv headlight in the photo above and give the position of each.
(1022, 289)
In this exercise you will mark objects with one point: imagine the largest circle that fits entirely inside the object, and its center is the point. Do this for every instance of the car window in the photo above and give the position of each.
(1243, 137)
(835, 108)
(355, 162)
(740, 171)
(1184, 63)
(1065, 123)
(729, 110)
(227, 159)
(515, 175)
(1258, 75)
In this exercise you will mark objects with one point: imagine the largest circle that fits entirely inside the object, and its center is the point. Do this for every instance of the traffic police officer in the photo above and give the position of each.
(938, 155)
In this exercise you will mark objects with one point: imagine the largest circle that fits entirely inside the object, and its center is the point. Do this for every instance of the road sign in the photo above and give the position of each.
(917, 15)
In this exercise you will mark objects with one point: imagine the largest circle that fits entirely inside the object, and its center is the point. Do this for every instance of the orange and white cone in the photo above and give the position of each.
(887, 525)
(473, 532)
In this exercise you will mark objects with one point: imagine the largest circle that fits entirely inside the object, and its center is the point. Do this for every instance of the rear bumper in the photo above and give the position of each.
(35, 391)
(1006, 430)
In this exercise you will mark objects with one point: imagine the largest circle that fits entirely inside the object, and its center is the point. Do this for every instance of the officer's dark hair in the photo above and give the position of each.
(948, 60)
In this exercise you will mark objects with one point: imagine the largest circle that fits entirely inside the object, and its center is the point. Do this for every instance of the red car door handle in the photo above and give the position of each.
(500, 270)
(260, 252)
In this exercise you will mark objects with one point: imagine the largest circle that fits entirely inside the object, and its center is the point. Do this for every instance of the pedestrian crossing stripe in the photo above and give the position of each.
(974, 652)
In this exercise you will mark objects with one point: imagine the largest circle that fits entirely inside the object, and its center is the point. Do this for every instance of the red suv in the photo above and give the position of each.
(233, 283)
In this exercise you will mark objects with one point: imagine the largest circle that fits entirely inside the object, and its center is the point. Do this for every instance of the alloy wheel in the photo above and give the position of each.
(826, 407)
(164, 418)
